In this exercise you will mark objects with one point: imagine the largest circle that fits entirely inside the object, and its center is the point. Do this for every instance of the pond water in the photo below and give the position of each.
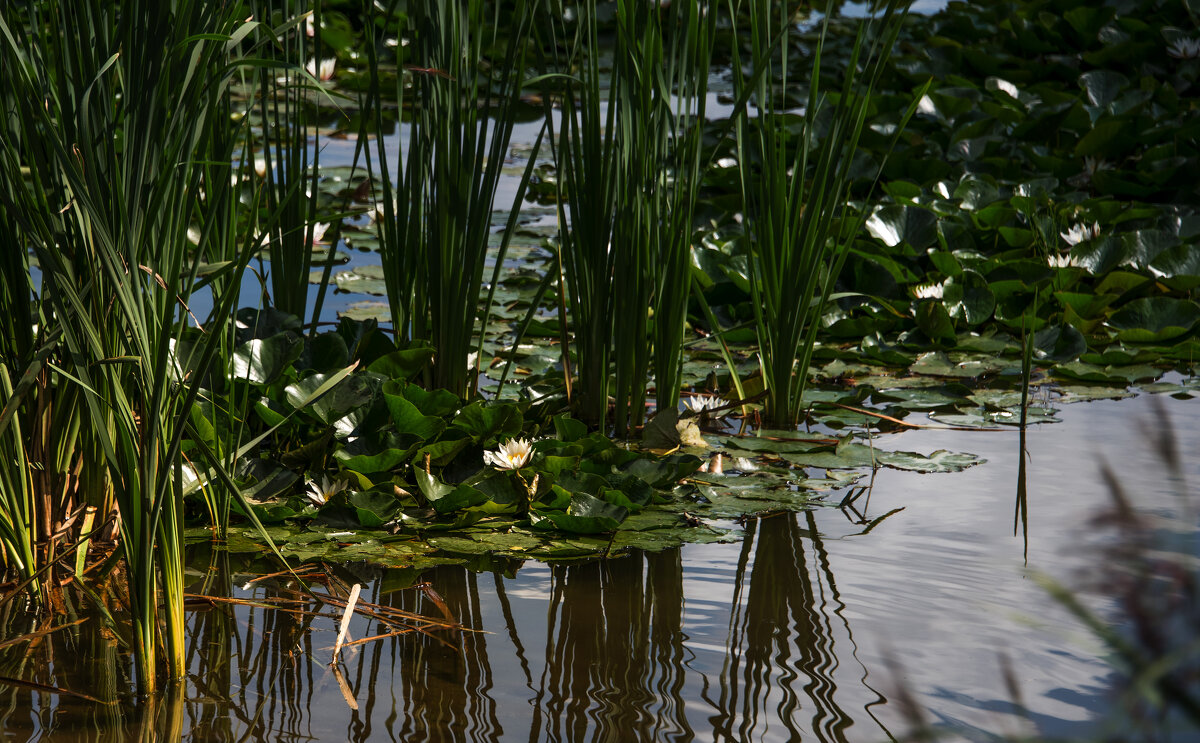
(811, 628)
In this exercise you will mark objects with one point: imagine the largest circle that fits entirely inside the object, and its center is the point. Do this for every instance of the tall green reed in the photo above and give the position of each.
(112, 140)
(466, 67)
(795, 181)
(629, 163)
(291, 150)
(397, 217)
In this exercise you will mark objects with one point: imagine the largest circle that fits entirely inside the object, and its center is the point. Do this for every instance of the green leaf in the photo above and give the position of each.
(439, 403)
(911, 225)
(847, 455)
(441, 452)
(351, 392)
(403, 364)
(969, 297)
(1102, 86)
(262, 360)
(463, 496)
(934, 321)
(370, 509)
(1100, 140)
(384, 460)
(569, 429)
(1180, 261)
(663, 472)
(431, 487)
(1102, 255)
(1155, 319)
(487, 423)
(761, 445)
(939, 461)
(408, 419)
(1106, 374)
(1059, 343)
(584, 515)
(326, 352)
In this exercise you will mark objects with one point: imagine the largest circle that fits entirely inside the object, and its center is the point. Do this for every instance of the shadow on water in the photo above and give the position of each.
(586, 651)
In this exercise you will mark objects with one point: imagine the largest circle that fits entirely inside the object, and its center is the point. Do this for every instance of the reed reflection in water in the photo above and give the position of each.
(601, 650)
(723, 642)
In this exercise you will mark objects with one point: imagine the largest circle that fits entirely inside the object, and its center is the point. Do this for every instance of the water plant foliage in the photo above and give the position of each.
(829, 227)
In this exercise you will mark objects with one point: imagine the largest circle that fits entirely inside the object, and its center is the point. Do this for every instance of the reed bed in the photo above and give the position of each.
(129, 197)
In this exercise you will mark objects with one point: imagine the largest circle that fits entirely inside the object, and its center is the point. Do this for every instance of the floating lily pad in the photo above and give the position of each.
(367, 310)
(366, 279)
(969, 297)
(1107, 374)
(1155, 319)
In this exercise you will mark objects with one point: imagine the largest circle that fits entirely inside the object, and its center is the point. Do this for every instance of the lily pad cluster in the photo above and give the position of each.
(1042, 195)
(409, 458)
(1041, 199)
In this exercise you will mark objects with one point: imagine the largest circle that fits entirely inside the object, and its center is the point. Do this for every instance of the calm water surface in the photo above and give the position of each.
(806, 630)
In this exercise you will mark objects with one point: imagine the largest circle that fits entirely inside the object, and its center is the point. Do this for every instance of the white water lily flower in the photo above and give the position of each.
(377, 212)
(1184, 48)
(929, 291)
(1080, 233)
(1093, 165)
(318, 493)
(701, 404)
(319, 230)
(1061, 260)
(322, 70)
(512, 455)
(260, 167)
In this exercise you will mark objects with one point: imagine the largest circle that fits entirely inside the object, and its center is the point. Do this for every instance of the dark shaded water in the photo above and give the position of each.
(807, 630)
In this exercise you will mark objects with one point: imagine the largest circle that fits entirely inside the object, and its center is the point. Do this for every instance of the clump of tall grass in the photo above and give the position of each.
(795, 181)
(629, 164)
(466, 68)
(117, 141)
(290, 153)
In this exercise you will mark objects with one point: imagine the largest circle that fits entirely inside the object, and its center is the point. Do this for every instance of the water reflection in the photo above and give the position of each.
(609, 657)
(596, 650)
(614, 653)
(781, 659)
(1021, 511)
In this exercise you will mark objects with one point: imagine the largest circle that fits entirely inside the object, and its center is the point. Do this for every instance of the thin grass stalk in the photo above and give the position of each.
(692, 33)
(17, 506)
(397, 217)
(291, 161)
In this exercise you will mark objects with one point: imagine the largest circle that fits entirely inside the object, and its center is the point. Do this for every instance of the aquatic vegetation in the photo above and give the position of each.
(795, 188)
(118, 274)
(320, 491)
(512, 455)
(831, 244)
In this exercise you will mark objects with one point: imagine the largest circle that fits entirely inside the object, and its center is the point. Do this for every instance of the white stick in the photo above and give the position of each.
(345, 628)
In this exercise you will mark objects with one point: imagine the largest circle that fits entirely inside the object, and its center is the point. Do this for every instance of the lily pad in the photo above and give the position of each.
(1155, 319)
(969, 297)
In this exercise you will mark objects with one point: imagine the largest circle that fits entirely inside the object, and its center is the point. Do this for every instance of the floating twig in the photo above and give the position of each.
(345, 626)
